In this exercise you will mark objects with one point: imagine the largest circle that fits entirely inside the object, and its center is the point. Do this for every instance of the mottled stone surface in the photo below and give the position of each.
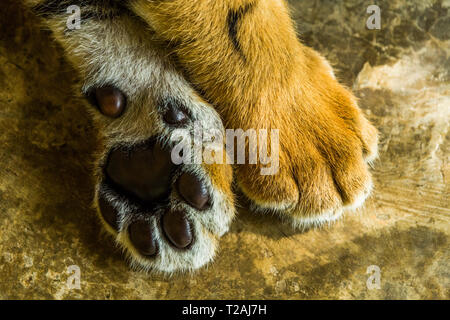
(400, 73)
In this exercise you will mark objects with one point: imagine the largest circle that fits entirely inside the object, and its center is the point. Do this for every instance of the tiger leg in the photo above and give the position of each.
(166, 215)
(245, 58)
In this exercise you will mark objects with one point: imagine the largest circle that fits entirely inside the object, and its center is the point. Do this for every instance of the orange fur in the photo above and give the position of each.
(274, 82)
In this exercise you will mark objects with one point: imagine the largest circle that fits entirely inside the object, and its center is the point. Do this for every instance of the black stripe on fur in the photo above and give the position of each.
(233, 19)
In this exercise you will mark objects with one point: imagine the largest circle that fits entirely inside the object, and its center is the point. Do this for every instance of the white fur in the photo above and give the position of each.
(122, 53)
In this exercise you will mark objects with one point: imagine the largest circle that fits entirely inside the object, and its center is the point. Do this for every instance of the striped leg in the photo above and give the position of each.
(245, 57)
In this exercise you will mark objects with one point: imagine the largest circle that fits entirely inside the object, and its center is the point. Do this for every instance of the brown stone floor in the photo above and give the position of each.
(401, 74)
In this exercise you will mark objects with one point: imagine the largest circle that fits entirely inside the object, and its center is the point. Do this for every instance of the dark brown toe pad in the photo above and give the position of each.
(144, 175)
(141, 236)
(193, 191)
(177, 229)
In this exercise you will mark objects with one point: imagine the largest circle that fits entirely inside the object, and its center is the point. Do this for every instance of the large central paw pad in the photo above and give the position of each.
(167, 217)
(144, 175)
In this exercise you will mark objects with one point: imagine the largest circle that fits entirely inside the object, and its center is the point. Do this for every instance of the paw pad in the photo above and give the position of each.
(143, 172)
(168, 216)
(143, 175)
(193, 191)
(177, 229)
(141, 236)
(175, 115)
(110, 101)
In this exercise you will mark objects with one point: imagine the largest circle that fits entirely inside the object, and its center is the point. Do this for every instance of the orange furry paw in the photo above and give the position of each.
(323, 169)
(326, 144)
(246, 59)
